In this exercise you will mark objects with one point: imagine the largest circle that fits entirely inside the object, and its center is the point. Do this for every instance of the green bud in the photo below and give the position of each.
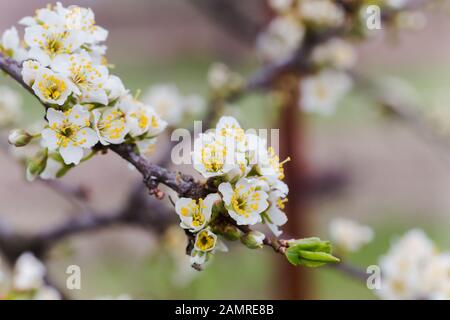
(19, 138)
(310, 252)
(228, 231)
(253, 239)
(37, 164)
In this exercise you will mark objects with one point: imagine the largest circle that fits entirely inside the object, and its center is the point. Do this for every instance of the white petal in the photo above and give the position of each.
(86, 138)
(277, 216)
(55, 117)
(79, 116)
(51, 169)
(71, 154)
(49, 139)
(227, 192)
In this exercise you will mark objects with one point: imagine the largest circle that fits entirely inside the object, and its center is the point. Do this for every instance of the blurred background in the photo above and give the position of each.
(396, 180)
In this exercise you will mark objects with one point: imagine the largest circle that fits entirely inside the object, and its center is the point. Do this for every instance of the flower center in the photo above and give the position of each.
(66, 133)
(205, 241)
(52, 88)
(239, 204)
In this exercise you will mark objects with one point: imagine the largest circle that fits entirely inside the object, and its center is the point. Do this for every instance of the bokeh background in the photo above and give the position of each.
(396, 180)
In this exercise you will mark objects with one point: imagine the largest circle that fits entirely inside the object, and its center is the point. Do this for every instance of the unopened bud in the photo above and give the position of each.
(228, 231)
(19, 138)
(37, 164)
(253, 239)
(310, 252)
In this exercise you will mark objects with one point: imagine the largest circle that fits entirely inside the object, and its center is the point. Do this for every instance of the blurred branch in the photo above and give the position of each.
(76, 195)
(228, 15)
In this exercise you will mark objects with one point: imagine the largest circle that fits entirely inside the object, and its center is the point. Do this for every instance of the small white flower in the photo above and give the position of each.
(321, 13)
(336, 53)
(350, 235)
(195, 214)
(88, 79)
(10, 106)
(141, 119)
(213, 157)
(229, 131)
(50, 87)
(69, 133)
(110, 125)
(219, 75)
(167, 101)
(403, 267)
(283, 36)
(115, 88)
(82, 20)
(47, 43)
(322, 92)
(10, 45)
(205, 241)
(245, 202)
(265, 160)
(28, 273)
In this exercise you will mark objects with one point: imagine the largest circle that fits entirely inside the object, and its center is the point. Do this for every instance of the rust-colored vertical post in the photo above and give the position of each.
(293, 282)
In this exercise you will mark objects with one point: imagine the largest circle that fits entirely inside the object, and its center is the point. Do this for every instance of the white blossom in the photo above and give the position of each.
(87, 78)
(320, 93)
(28, 273)
(110, 125)
(195, 214)
(48, 43)
(244, 201)
(69, 133)
(51, 87)
(115, 88)
(141, 118)
(283, 36)
(10, 45)
(349, 235)
(403, 268)
(167, 102)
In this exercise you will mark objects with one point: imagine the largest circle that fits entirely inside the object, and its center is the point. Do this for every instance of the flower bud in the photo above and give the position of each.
(19, 138)
(253, 239)
(228, 231)
(309, 252)
(37, 164)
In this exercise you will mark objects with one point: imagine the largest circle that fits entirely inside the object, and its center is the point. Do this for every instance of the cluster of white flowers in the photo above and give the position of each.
(248, 176)
(64, 64)
(286, 31)
(321, 90)
(348, 235)
(415, 269)
(27, 280)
